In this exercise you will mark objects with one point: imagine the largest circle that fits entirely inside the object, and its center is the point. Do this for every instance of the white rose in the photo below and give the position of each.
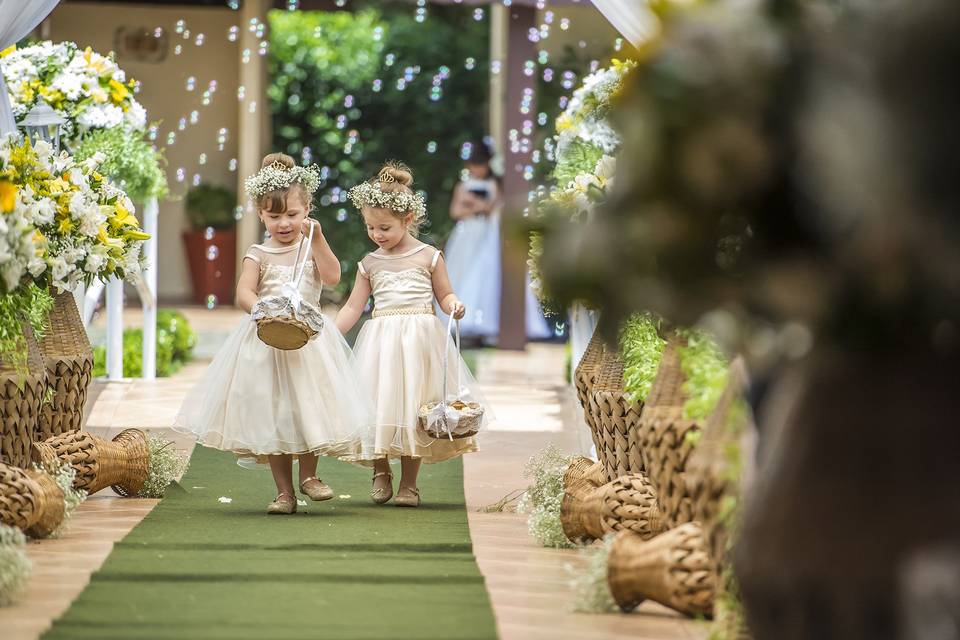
(36, 266)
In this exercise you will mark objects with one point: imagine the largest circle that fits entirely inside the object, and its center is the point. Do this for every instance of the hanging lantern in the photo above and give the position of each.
(43, 123)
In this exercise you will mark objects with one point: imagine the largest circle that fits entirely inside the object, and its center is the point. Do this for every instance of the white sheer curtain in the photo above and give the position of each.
(632, 18)
(17, 19)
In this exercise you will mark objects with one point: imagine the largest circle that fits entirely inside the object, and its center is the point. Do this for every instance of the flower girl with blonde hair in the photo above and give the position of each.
(400, 351)
(272, 405)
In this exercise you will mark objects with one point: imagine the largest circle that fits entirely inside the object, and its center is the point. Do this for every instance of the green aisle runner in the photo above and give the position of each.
(199, 568)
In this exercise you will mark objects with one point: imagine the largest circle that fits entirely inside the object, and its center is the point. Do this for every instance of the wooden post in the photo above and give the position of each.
(254, 135)
(517, 150)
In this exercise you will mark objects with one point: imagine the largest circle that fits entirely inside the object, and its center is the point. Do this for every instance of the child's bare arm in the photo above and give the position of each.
(353, 309)
(247, 284)
(443, 290)
(326, 262)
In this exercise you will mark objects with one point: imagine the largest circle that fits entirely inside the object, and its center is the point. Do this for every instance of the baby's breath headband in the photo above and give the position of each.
(278, 176)
(370, 194)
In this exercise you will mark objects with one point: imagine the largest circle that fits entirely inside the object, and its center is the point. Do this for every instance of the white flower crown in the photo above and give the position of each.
(370, 194)
(278, 176)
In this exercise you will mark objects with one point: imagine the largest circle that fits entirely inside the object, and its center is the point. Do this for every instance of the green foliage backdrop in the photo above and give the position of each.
(328, 107)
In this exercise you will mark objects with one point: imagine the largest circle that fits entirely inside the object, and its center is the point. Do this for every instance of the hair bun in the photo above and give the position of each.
(280, 158)
(396, 172)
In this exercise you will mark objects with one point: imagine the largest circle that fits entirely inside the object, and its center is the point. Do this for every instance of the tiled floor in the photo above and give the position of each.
(528, 585)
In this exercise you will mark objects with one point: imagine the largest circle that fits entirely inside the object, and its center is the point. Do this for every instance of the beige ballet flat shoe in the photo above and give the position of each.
(412, 500)
(383, 494)
(316, 489)
(284, 504)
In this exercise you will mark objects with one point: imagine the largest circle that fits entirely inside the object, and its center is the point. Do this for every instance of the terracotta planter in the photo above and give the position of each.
(212, 257)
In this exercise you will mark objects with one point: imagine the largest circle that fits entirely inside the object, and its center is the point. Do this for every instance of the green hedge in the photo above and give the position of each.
(175, 343)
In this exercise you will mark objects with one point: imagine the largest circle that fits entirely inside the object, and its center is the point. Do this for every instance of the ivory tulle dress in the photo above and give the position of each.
(255, 400)
(399, 355)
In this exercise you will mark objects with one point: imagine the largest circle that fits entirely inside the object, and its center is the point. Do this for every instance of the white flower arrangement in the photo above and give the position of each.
(590, 586)
(166, 464)
(88, 89)
(15, 566)
(584, 150)
(542, 500)
(65, 475)
(277, 177)
(371, 195)
(61, 222)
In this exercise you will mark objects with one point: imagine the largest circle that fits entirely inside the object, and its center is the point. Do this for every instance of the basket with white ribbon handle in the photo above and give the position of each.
(287, 321)
(450, 418)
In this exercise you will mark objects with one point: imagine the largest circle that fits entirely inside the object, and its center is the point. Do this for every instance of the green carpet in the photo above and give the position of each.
(346, 568)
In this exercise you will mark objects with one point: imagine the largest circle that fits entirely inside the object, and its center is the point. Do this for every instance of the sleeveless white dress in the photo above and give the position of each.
(399, 355)
(255, 400)
(473, 264)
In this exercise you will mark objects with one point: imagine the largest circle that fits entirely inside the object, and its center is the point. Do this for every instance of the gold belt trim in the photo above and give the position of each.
(403, 311)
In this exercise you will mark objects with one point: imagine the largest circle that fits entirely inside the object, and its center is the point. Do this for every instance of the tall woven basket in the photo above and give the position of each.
(584, 379)
(21, 394)
(69, 362)
(665, 440)
(122, 463)
(615, 420)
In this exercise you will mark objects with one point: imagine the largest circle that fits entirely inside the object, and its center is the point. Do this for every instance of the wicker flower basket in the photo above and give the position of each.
(122, 463)
(52, 507)
(69, 363)
(673, 569)
(616, 420)
(30, 500)
(627, 503)
(20, 400)
(664, 440)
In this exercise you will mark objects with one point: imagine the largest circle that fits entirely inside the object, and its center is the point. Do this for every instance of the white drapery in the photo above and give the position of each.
(632, 18)
(17, 19)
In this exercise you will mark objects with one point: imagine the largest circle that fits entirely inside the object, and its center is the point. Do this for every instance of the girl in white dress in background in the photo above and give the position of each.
(473, 252)
(400, 351)
(267, 404)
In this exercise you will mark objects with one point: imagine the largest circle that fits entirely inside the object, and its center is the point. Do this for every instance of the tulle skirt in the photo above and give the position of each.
(255, 400)
(400, 360)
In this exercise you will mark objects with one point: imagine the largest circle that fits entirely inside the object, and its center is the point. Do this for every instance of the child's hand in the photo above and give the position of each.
(458, 310)
(310, 222)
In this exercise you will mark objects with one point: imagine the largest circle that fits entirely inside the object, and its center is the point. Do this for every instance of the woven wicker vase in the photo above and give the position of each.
(122, 464)
(53, 508)
(69, 363)
(584, 379)
(708, 475)
(673, 569)
(20, 400)
(665, 442)
(616, 419)
(30, 500)
(628, 503)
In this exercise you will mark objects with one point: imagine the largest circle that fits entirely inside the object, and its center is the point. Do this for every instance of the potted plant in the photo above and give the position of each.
(211, 243)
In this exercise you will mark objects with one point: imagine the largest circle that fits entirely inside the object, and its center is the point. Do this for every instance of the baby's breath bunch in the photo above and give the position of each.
(592, 592)
(166, 464)
(65, 475)
(543, 497)
(15, 566)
